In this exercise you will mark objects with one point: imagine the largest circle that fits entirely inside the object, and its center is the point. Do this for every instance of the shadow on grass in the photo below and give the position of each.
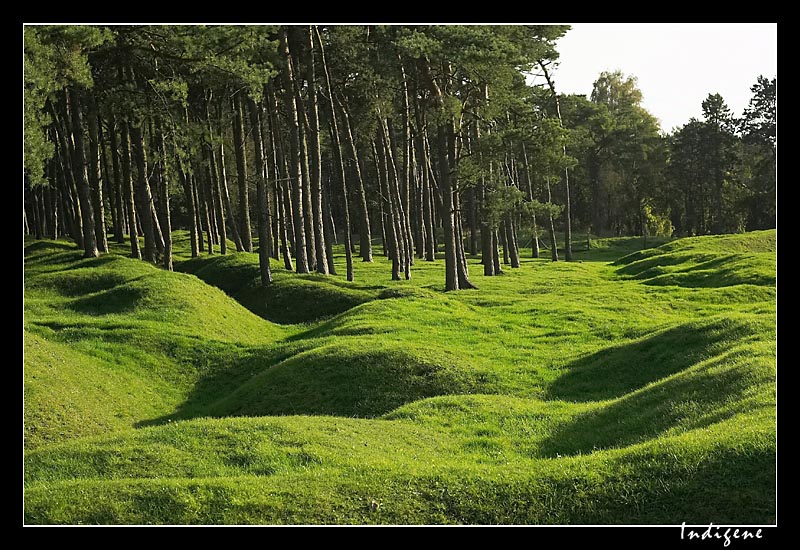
(116, 300)
(338, 380)
(615, 371)
(38, 246)
(696, 400)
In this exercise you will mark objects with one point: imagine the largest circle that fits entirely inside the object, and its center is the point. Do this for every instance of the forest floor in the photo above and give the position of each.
(626, 387)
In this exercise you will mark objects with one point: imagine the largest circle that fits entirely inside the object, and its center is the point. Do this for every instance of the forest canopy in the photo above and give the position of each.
(453, 139)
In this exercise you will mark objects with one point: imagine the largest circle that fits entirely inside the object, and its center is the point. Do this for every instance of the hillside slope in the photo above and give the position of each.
(569, 393)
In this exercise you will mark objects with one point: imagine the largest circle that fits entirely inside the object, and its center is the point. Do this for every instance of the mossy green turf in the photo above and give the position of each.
(638, 391)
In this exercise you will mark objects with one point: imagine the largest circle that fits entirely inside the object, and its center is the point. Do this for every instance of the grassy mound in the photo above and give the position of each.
(557, 393)
(238, 275)
(715, 261)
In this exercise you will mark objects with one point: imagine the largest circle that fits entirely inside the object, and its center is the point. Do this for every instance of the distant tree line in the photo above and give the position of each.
(421, 138)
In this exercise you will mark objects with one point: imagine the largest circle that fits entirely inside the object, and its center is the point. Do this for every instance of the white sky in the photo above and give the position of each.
(677, 64)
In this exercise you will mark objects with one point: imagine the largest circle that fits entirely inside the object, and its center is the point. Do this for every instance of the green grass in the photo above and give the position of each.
(629, 386)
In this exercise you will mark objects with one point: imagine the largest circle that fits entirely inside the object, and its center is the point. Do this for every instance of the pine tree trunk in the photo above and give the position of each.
(301, 256)
(93, 171)
(416, 198)
(463, 269)
(487, 256)
(186, 183)
(206, 213)
(270, 174)
(382, 218)
(498, 269)
(143, 194)
(166, 222)
(68, 154)
(513, 249)
(567, 208)
(112, 187)
(50, 208)
(448, 222)
(215, 193)
(157, 233)
(194, 185)
(128, 191)
(315, 157)
(64, 156)
(84, 191)
(70, 224)
(284, 202)
(119, 202)
(330, 230)
(387, 220)
(223, 183)
(155, 193)
(552, 229)
(404, 249)
(262, 199)
(364, 230)
(407, 176)
(504, 241)
(472, 216)
(239, 147)
(567, 217)
(427, 204)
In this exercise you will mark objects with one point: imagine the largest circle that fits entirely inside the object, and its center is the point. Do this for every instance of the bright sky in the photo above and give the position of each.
(677, 64)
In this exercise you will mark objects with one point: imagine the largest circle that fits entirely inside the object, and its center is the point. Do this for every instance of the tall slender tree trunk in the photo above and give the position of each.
(65, 169)
(303, 124)
(330, 228)
(51, 205)
(270, 173)
(214, 189)
(487, 253)
(143, 194)
(315, 155)
(552, 229)
(127, 188)
(513, 251)
(387, 220)
(427, 203)
(166, 222)
(461, 263)
(155, 192)
(84, 191)
(404, 249)
(407, 176)
(535, 241)
(498, 269)
(108, 186)
(93, 170)
(451, 270)
(339, 160)
(72, 189)
(190, 207)
(206, 212)
(195, 183)
(113, 180)
(472, 217)
(301, 257)
(503, 232)
(241, 173)
(262, 199)
(283, 202)
(567, 207)
(223, 182)
(364, 230)
(214, 192)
